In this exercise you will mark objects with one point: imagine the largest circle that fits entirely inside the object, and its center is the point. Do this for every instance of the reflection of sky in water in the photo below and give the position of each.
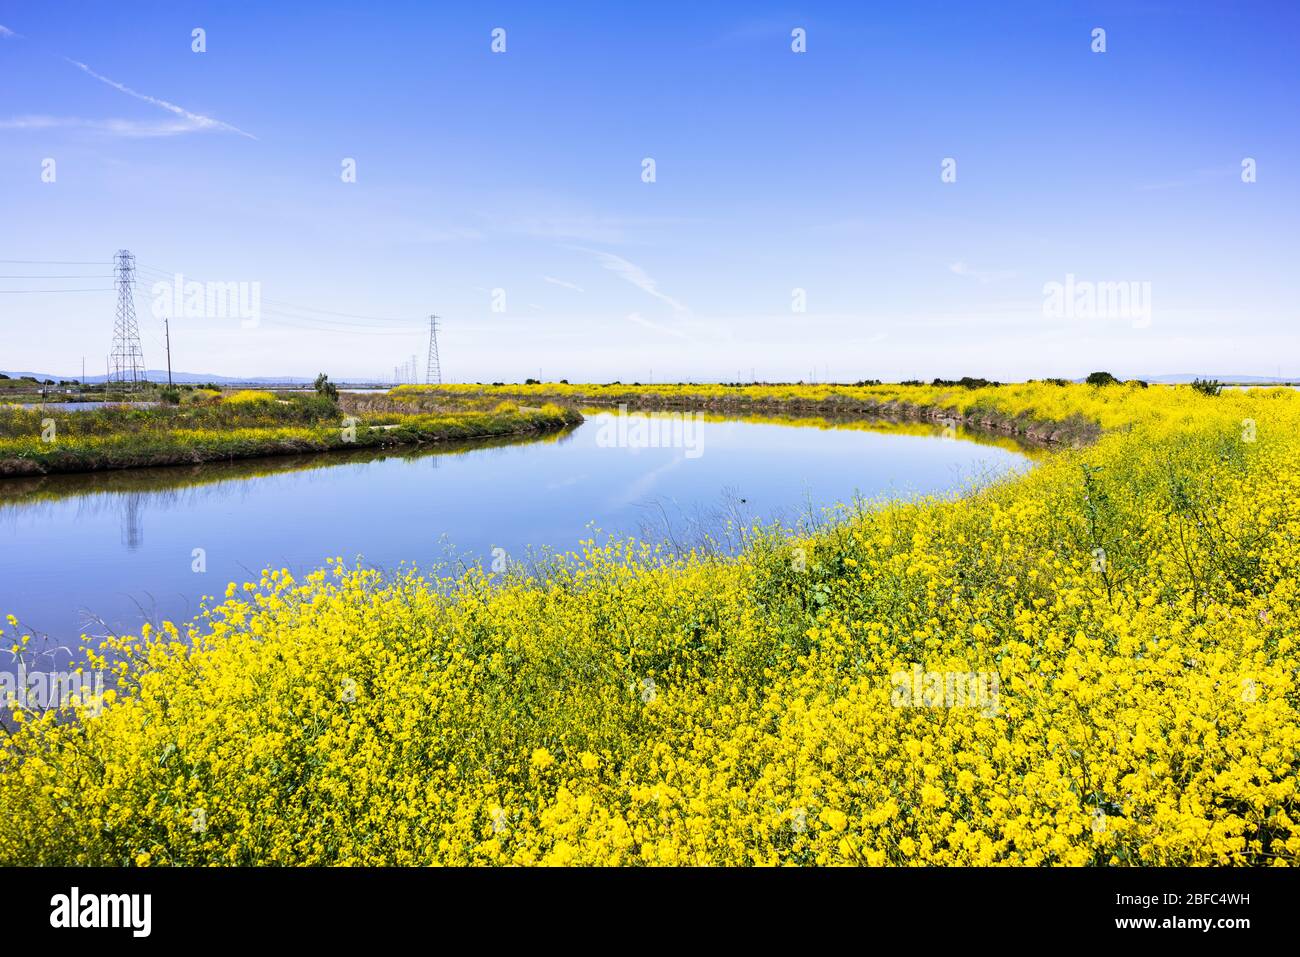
(125, 554)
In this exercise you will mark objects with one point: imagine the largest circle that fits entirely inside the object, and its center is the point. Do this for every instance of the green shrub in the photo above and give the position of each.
(1207, 386)
(326, 388)
(1101, 378)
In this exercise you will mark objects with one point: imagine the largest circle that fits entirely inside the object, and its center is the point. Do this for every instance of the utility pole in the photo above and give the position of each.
(167, 326)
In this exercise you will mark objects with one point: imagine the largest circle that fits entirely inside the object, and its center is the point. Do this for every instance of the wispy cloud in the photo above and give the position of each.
(1195, 178)
(421, 233)
(980, 275)
(115, 127)
(561, 282)
(6, 32)
(636, 490)
(637, 276)
(773, 32)
(537, 215)
(657, 326)
(193, 121)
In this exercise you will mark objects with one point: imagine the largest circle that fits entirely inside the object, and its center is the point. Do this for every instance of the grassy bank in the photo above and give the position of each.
(21, 492)
(1127, 612)
(237, 426)
(1062, 414)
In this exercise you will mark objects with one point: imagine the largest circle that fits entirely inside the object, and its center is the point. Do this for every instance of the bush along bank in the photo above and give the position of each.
(1063, 414)
(34, 442)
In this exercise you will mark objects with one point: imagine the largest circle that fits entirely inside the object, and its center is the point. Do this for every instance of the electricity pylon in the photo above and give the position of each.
(127, 359)
(433, 368)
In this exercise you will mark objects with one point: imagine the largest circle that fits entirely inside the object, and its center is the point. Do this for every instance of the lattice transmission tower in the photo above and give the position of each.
(126, 362)
(433, 367)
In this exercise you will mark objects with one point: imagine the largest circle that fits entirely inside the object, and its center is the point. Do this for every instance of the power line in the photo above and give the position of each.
(333, 327)
(17, 291)
(51, 262)
(408, 327)
(308, 327)
(287, 315)
(328, 312)
(294, 307)
(307, 318)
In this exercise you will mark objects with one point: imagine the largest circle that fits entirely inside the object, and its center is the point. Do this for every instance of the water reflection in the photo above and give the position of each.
(215, 477)
(107, 550)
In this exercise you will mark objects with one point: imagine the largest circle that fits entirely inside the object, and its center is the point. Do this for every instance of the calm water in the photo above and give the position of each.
(120, 546)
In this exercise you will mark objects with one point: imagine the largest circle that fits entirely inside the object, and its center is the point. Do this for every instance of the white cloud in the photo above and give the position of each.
(1196, 178)
(194, 121)
(561, 282)
(657, 326)
(6, 32)
(981, 275)
(636, 276)
(115, 127)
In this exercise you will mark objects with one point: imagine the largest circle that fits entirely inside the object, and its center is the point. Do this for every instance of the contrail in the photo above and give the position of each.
(635, 275)
(562, 282)
(197, 119)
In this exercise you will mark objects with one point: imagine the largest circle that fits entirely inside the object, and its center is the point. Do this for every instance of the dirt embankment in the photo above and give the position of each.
(1076, 431)
(162, 448)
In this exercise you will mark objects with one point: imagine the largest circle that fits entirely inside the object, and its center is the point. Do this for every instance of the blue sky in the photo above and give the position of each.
(775, 171)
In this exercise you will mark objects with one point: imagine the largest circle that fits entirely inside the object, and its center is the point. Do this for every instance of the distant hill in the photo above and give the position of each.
(1178, 378)
(160, 375)
(1188, 377)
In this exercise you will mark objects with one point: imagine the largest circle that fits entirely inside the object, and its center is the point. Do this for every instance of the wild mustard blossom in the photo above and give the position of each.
(1136, 600)
(244, 424)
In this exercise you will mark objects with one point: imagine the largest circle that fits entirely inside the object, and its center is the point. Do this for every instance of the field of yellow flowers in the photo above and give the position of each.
(1128, 611)
(239, 425)
(1043, 410)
